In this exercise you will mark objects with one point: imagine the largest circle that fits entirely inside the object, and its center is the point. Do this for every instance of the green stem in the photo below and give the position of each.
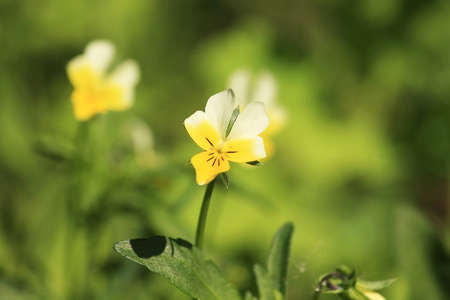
(316, 295)
(203, 214)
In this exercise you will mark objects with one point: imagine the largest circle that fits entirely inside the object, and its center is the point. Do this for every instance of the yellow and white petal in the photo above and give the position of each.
(219, 109)
(245, 150)
(278, 119)
(86, 71)
(114, 97)
(268, 145)
(124, 77)
(208, 164)
(251, 122)
(240, 83)
(126, 74)
(373, 295)
(202, 131)
(81, 74)
(99, 54)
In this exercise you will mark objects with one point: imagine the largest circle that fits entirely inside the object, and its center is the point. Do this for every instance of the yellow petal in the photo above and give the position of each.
(245, 150)
(86, 104)
(268, 146)
(373, 295)
(208, 164)
(202, 131)
(113, 97)
(278, 119)
(81, 74)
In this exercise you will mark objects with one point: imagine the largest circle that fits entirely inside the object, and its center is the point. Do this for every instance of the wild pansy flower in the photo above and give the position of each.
(95, 90)
(263, 89)
(226, 135)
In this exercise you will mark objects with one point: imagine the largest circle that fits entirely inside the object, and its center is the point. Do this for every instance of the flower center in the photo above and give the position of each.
(220, 147)
(215, 157)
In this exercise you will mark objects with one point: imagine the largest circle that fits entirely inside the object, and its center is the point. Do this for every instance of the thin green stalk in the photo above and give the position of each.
(203, 214)
(316, 295)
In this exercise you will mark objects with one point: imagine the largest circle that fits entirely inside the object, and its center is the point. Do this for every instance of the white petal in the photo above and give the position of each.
(99, 54)
(219, 109)
(252, 121)
(266, 90)
(240, 83)
(126, 74)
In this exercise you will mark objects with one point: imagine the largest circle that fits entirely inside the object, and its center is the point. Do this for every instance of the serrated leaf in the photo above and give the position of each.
(184, 265)
(272, 281)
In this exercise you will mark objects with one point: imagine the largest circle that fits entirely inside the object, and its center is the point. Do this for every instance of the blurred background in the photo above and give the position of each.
(361, 166)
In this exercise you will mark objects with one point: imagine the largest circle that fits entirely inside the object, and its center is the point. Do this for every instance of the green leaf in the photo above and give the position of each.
(54, 148)
(226, 179)
(353, 294)
(346, 271)
(272, 281)
(184, 265)
(374, 285)
(254, 163)
(233, 118)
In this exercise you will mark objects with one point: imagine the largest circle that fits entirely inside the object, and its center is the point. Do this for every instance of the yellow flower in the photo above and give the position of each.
(373, 295)
(95, 91)
(209, 130)
(369, 294)
(264, 89)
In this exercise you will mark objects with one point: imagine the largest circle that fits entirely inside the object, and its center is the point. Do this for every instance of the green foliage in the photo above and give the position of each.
(185, 266)
(344, 283)
(361, 167)
(188, 269)
(272, 279)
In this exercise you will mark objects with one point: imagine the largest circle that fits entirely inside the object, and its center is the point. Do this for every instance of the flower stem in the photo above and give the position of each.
(203, 214)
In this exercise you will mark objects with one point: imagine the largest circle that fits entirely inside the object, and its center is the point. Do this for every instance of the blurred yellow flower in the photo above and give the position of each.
(373, 295)
(369, 294)
(264, 89)
(226, 136)
(95, 91)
